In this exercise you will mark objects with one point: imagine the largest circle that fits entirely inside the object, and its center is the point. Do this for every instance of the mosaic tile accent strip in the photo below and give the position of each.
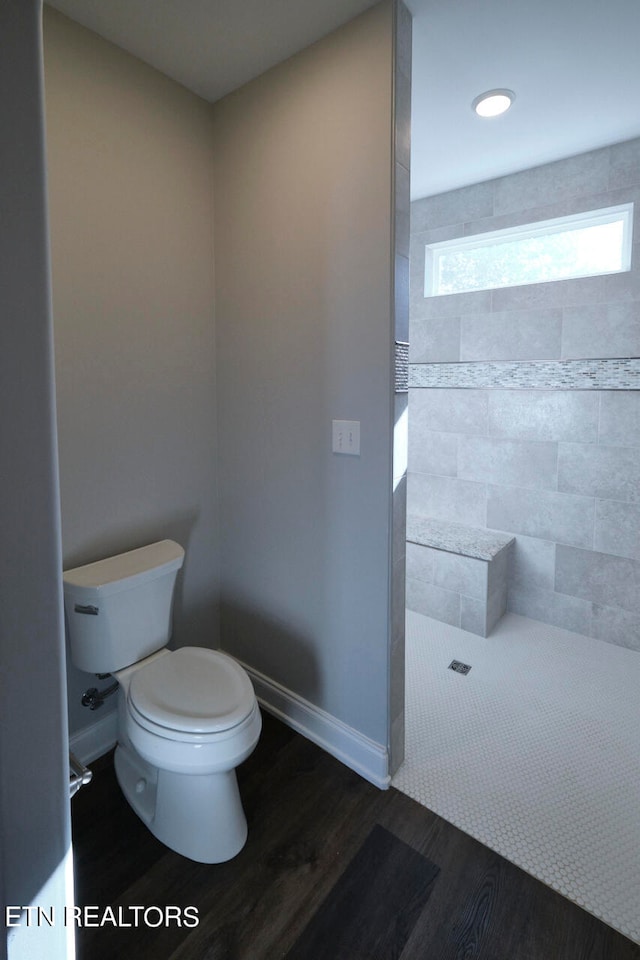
(402, 367)
(606, 374)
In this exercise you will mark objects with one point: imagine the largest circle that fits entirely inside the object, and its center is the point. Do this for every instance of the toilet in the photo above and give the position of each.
(186, 718)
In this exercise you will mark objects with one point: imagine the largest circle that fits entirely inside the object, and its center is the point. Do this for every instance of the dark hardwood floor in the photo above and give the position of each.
(308, 818)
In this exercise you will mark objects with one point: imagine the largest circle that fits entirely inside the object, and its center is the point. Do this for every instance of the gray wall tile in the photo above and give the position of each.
(461, 574)
(614, 625)
(500, 444)
(446, 498)
(533, 563)
(416, 277)
(574, 572)
(420, 562)
(616, 582)
(456, 304)
(601, 330)
(596, 470)
(430, 235)
(499, 568)
(508, 462)
(397, 742)
(473, 616)
(402, 209)
(620, 418)
(568, 612)
(582, 290)
(560, 517)
(600, 577)
(403, 39)
(625, 286)
(433, 601)
(496, 606)
(558, 293)
(575, 176)
(433, 452)
(401, 293)
(397, 672)
(451, 411)
(617, 528)
(435, 341)
(455, 206)
(402, 85)
(563, 207)
(398, 602)
(530, 296)
(403, 118)
(511, 335)
(624, 168)
(543, 415)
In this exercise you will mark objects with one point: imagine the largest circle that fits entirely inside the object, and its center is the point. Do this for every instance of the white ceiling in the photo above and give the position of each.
(573, 64)
(212, 46)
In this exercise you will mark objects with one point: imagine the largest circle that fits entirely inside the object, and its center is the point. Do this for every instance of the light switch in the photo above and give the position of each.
(346, 437)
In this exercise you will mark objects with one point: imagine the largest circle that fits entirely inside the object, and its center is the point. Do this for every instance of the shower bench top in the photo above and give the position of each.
(457, 538)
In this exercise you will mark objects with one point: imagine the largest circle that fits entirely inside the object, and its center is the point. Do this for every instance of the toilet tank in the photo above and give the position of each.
(119, 610)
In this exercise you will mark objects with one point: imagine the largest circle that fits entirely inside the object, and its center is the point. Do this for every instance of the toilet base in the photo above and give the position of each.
(199, 816)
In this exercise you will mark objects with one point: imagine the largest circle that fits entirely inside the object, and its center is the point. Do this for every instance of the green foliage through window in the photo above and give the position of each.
(590, 244)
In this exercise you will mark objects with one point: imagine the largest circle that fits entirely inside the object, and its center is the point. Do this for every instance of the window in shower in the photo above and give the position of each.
(582, 245)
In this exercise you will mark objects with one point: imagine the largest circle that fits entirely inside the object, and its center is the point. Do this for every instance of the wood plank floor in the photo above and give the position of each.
(308, 817)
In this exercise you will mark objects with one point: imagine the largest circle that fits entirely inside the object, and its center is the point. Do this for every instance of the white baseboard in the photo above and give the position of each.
(96, 739)
(366, 757)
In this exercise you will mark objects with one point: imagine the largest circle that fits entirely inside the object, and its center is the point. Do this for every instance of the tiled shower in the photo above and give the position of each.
(524, 427)
(524, 407)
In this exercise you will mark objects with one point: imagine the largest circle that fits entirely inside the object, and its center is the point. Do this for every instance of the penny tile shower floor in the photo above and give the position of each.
(535, 752)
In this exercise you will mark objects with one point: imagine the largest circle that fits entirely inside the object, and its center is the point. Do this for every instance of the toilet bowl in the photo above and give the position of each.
(191, 711)
(186, 718)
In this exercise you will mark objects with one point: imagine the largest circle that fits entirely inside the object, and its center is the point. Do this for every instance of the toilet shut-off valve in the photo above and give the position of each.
(94, 698)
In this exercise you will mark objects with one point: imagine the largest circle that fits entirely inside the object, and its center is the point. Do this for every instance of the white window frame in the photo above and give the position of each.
(589, 218)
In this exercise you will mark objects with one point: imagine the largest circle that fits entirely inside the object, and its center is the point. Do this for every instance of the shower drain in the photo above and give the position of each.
(460, 667)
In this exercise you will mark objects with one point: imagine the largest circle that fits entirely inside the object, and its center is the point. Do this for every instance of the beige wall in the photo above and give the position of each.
(303, 262)
(131, 206)
(302, 161)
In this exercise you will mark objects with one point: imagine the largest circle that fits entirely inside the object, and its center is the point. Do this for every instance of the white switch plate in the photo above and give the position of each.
(346, 437)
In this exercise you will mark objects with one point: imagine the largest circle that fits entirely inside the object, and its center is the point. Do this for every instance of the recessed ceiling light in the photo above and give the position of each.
(493, 102)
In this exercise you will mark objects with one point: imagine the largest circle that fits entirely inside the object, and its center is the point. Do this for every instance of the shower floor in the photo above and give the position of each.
(535, 752)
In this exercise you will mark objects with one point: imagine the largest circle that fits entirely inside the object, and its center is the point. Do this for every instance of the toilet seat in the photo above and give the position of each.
(191, 694)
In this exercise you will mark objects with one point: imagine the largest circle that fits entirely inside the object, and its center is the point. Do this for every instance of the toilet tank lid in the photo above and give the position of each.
(126, 569)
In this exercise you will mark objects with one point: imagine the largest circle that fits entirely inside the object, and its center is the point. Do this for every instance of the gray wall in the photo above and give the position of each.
(303, 289)
(34, 794)
(131, 204)
(401, 217)
(559, 468)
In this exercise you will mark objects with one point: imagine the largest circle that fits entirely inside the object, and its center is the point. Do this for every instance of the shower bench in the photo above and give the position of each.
(457, 574)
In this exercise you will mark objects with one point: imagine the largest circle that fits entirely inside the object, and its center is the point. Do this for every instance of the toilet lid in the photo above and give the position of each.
(194, 690)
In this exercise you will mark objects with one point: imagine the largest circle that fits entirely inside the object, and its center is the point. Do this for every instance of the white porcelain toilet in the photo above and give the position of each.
(186, 718)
